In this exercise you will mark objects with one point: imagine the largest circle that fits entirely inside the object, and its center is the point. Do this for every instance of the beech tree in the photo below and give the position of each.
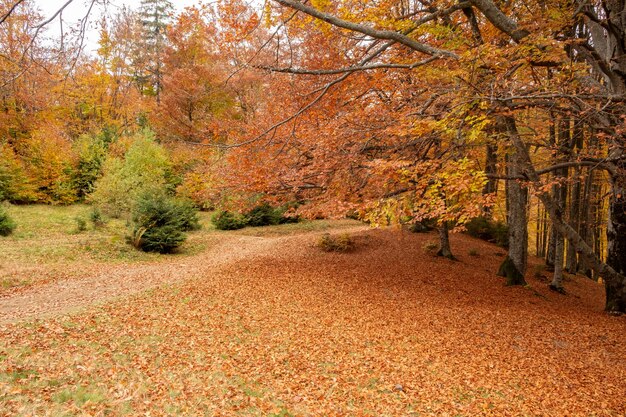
(526, 62)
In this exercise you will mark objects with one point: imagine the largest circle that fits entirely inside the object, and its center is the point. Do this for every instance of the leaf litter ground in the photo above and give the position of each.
(287, 330)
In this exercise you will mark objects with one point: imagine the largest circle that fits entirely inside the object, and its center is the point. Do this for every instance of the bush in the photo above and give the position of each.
(264, 215)
(159, 222)
(81, 224)
(96, 217)
(188, 214)
(340, 243)
(146, 167)
(92, 153)
(7, 225)
(226, 220)
(261, 215)
(492, 231)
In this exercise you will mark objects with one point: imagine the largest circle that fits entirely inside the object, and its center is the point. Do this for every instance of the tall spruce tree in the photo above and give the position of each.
(153, 18)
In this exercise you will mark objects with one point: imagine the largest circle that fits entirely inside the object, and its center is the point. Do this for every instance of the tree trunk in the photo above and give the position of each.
(542, 231)
(557, 279)
(558, 194)
(551, 249)
(615, 279)
(491, 187)
(616, 238)
(552, 241)
(574, 220)
(444, 242)
(586, 231)
(514, 265)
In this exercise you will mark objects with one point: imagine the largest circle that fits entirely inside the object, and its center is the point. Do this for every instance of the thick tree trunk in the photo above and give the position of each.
(609, 40)
(578, 139)
(444, 242)
(556, 242)
(559, 194)
(615, 279)
(514, 266)
(616, 255)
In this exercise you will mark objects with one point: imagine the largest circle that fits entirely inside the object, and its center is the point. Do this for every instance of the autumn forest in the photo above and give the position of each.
(313, 208)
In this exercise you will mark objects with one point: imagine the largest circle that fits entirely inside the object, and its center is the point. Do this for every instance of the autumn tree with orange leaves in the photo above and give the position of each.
(390, 94)
(398, 111)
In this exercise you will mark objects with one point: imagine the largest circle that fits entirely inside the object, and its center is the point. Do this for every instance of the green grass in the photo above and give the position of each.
(64, 237)
(52, 234)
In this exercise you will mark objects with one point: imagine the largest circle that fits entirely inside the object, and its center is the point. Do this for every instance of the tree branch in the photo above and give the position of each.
(10, 11)
(304, 71)
(500, 20)
(366, 30)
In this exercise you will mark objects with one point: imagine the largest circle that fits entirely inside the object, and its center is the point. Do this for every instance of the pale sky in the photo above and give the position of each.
(78, 8)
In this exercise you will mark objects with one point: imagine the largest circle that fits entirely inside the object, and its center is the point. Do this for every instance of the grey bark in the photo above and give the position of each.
(574, 220)
(615, 280)
(491, 161)
(514, 266)
(557, 279)
(444, 242)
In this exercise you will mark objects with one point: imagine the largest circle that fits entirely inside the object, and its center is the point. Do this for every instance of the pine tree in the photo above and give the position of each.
(154, 17)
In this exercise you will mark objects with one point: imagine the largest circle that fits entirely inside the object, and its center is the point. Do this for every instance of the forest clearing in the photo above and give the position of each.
(313, 208)
(284, 329)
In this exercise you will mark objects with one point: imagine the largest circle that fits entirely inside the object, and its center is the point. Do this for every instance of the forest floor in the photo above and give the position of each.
(263, 323)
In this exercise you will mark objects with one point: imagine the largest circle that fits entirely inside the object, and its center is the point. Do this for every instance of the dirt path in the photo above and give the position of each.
(120, 280)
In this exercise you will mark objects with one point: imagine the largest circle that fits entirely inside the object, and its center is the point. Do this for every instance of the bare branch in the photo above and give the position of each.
(10, 11)
(303, 71)
(321, 93)
(367, 30)
(54, 16)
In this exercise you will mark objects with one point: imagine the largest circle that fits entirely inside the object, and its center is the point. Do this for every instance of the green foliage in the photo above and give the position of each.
(261, 215)
(7, 225)
(159, 222)
(340, 243)
(81, 224)
(486, 229)
(264, 215)
(92, 153)
(226, 220)
(14, 183)
(188, 214)
(146, 167)
(96, 217)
